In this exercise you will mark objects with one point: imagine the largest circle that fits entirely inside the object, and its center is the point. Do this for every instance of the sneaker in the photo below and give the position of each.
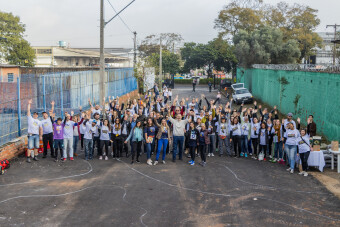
(275, 160)
(106, 158)
(56, 160)
(155, 163)
(75, 154)
(44, 156)
(192, 163)
(302, 172)
(163, 162)
(28, 160)
(100, 157)
(208, 155)
(291, 171)
(131, 162)
(305, 174)
(212, 155)
(251, 154)
(149, 162)
(138, 161)
(270, 156)
(241, 155)
(245, 155)
(71, 159)
(204, 163)
(264, 159)
(64, 160)
(288, 169)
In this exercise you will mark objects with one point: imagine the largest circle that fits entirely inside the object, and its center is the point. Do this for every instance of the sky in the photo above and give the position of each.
(77, 21)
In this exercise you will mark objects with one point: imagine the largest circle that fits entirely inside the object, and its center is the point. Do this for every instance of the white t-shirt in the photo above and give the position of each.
(47, 126)
(68, 129)
(170, 93)
(90, 130)
(292, 137)
(105, 133)
(33, 125)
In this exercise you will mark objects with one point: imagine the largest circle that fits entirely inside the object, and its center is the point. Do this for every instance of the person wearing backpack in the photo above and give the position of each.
(304, 150)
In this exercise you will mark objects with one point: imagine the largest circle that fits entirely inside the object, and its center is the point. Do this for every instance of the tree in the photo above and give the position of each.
(14, 48)
(264, 46)
(170, 62)
(151, 43)
(296, 22)
(216, 54)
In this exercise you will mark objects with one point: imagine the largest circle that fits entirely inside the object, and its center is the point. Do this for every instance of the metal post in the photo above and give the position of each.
(135, 50)
(160, 58)
(102, 57)
(19, 106)
(44, 93)
(61, 95)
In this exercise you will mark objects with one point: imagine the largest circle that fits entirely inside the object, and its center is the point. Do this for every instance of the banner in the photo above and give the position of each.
(149, 78)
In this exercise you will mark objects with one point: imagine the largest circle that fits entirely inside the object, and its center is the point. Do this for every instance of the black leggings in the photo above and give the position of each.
(125, 145)
(254, 141)
(48, 138)
(202, 151)
(117, 146)
(106, 144)
(136, 147)
(304, 159)
(82, 141)
(192, 152)
(237, 145)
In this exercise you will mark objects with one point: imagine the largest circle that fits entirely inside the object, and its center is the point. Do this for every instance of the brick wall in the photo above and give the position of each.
(17, 146)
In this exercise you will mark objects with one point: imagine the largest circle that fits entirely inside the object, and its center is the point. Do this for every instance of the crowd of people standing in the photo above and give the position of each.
(155, 124)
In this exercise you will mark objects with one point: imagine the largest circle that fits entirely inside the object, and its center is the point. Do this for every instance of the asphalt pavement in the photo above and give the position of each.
(226, 192)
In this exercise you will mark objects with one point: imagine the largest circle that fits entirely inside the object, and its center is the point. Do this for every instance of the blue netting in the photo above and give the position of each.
(68, 90)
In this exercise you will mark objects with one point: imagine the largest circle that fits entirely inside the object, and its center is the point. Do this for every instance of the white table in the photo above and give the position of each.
(316, 158)
(333, 154)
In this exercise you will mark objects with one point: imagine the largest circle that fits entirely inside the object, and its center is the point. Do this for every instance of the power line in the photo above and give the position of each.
(120, 17)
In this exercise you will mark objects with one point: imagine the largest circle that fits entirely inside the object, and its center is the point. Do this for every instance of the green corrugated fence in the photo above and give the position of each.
(301, 93)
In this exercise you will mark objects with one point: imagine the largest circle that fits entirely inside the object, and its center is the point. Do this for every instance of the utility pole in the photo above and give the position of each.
(334, 48)
(135, 50)
(102, 57)
(160, 57)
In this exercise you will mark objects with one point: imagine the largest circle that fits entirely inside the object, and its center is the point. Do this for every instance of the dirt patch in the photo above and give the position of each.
(331, 180)
(69, 183)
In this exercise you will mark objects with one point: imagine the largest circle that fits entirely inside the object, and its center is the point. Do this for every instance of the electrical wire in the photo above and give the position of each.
(120, 17)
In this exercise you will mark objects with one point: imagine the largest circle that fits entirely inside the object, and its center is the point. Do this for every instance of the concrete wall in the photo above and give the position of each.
(305, 93)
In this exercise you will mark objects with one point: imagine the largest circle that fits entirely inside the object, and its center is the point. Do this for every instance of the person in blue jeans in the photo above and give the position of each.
(163, 137)
(291, 136)
(149, 133)
(178, 132)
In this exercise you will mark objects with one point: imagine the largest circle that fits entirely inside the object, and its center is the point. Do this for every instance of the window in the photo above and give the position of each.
(10, 77)
(44, 51)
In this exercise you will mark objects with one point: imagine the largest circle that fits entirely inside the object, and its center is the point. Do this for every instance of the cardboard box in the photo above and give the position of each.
(316, 143)
(335, 146)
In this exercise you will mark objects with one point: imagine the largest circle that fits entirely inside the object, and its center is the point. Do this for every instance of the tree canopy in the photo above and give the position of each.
(265, 46)
(216, 54)
(296, 22)
(170, 62)
(13, 47)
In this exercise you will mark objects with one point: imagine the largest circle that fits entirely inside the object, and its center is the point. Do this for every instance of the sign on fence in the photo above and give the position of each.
(149, 78)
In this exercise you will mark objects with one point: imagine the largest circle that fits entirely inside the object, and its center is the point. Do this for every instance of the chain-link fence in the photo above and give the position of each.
(69, 91)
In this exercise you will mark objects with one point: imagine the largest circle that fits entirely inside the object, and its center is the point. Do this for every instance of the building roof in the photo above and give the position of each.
(73, 52)
(8, 66)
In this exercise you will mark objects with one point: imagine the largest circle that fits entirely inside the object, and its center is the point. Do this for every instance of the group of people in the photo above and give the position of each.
(151, 124)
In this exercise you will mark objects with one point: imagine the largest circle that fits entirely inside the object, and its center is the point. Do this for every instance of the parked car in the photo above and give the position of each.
(237, 86)
(241, 95)
(226, 83)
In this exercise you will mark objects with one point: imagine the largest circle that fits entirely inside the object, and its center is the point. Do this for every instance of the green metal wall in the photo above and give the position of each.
(306, 93)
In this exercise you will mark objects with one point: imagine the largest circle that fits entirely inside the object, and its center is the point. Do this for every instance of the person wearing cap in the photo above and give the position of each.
(289, 120)
(35, 132)
(58, 138)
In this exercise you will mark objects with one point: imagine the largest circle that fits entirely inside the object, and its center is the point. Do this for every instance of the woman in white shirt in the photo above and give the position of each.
(291, 136)
(304, 151)
(105, 131)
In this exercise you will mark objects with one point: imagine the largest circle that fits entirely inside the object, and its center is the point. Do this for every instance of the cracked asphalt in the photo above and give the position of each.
(227, 192)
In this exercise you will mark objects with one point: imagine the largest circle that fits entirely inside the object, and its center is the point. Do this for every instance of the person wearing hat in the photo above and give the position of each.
(35, 132)
(289, 120)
